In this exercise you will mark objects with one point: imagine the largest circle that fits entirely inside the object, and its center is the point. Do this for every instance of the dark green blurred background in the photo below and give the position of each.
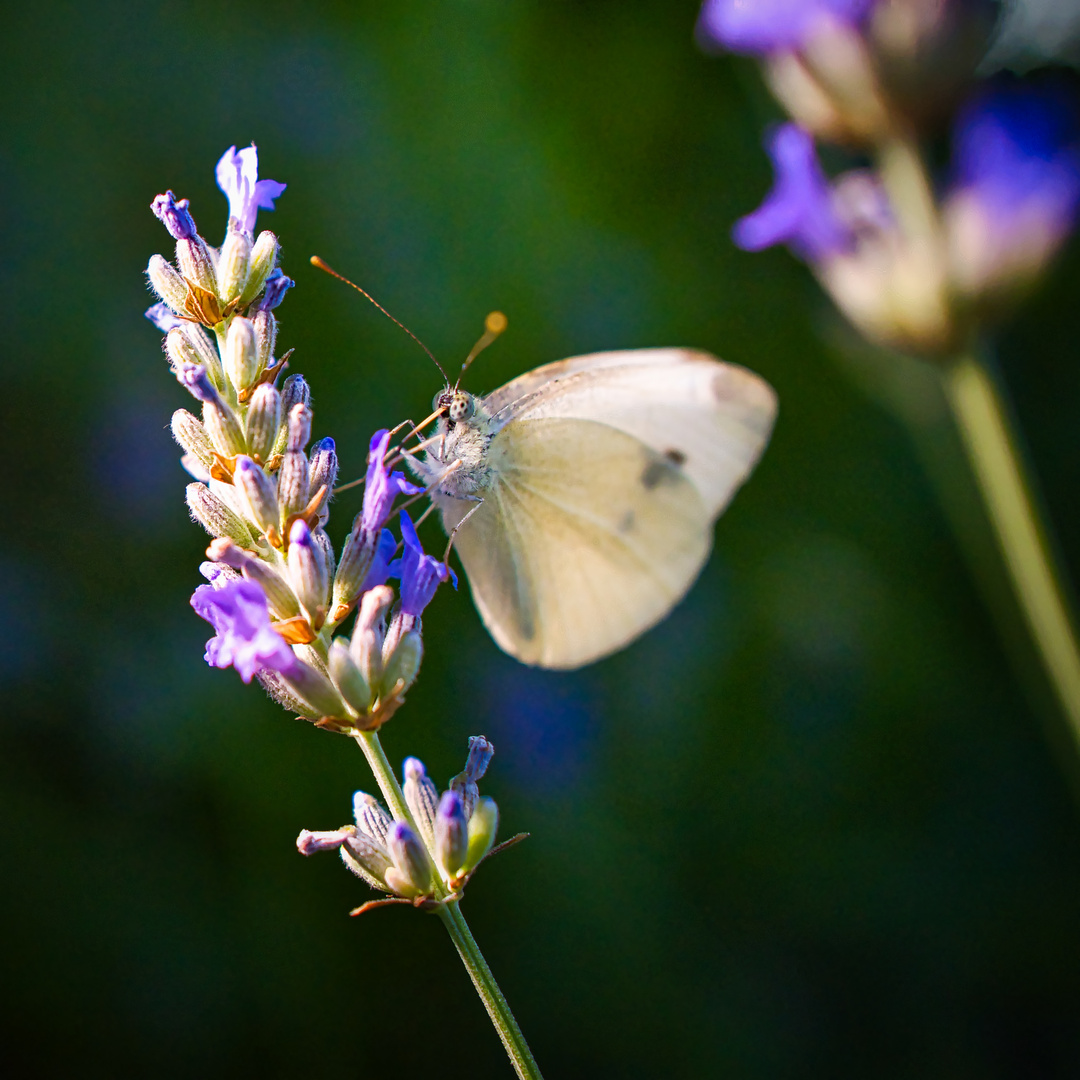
(812, 826)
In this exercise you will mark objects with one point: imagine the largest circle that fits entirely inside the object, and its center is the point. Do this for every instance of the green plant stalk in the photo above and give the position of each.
(999, 469)
(449, 912)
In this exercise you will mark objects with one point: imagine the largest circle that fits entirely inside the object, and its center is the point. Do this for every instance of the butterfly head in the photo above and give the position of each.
(455, 405)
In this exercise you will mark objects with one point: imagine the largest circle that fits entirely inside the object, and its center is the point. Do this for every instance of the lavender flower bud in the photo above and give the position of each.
(411, 873)
(323, 542)
(277, 285)
(234, 265)
(299, 433)
(308, 573)
(216, 517)
(292, 483)
(263, 421)
(293, 490)
(264, 256)
(422, 796)
(196, 263)
(224, 429)
(403, 665)
(483, 825)
(400, 625)
(280, 598)
(241, 356)
(167, 283)
(315, 690)
(367, 859)
(348, 678)
(367, 640)
(257, 494)
(294, 391)
(322, 472)
(451, 835)
(371, 816)
(189, 432)
(465, 783)
(265, 337)
(174, 215)
(357, 557)
(197, 344)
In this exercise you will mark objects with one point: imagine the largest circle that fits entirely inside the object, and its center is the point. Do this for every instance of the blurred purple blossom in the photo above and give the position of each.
(800, 210)
(1016, 152)
(244, 637)
(238, 176)
(760, 27)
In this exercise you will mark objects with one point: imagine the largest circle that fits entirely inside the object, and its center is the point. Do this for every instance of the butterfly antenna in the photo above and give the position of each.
(317, 262)
(494, 325)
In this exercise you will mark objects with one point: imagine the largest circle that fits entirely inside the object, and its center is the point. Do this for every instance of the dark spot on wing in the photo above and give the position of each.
(662, 468)
(627, 522)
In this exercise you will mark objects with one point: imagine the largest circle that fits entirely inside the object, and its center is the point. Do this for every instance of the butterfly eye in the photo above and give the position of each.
(462, 406)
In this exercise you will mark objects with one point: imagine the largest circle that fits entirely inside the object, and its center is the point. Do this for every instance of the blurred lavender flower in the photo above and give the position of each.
(760, 27)
(1016, 192)
(244, 637)
(800, 210)
(237, 175)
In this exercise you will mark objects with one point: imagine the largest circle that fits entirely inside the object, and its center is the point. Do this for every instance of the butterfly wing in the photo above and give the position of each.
(585, 538)
(710, 417)
(607, 472)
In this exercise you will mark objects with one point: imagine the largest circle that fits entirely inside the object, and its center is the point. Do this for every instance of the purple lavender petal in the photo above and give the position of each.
(244, 637)
(1017, 151)
(237, 175)
(174, 216)
(162, 316)
(381, 486)
(379, 570)
(759, 27)
(420, 574)
(799, 210)
(277, 285)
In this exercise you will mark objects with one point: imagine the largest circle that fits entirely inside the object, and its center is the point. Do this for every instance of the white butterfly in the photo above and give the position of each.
(586, 491)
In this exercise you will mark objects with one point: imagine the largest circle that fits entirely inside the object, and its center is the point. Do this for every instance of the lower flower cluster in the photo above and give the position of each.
(453, 833)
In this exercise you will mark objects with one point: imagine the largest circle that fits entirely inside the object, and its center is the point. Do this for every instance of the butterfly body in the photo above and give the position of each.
(590, 487)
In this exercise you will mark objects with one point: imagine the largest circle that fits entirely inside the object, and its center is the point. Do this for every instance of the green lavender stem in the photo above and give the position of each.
(1022, 538)
(502, 1018)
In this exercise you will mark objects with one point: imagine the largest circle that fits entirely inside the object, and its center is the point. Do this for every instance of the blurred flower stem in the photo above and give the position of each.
(449, 912)
(983, 420)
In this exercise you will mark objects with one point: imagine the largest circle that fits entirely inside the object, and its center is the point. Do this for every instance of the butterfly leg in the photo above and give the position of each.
(450, 543)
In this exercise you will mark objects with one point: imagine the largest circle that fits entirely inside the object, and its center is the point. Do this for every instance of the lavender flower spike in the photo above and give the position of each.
(174, 216)
(238, 176)
(420, 574)
(760, 27)
(244, 637)
(381, 486)
(799, 211)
